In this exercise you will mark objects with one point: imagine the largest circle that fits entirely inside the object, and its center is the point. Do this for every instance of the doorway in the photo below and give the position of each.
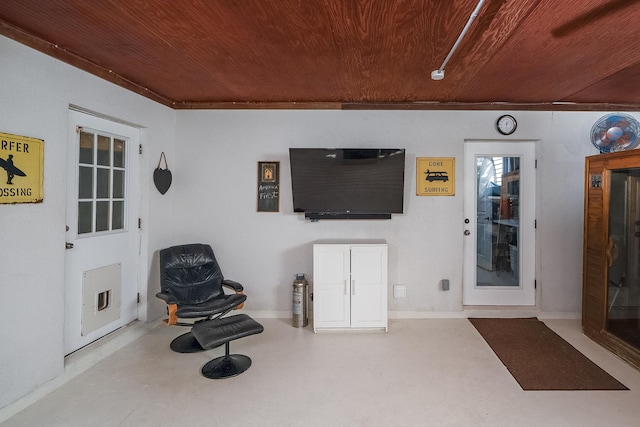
(102, 238)
(499, 207)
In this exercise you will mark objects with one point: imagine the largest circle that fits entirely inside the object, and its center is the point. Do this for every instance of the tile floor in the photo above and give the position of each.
(427, 372)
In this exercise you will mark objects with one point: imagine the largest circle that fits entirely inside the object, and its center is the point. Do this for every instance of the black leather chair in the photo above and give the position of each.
(192, 285)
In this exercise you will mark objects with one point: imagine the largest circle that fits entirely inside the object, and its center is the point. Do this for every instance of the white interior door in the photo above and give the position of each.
(102, 239)
(499, 249)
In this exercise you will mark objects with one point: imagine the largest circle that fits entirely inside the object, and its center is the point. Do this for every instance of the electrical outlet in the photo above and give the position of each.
(399, 291)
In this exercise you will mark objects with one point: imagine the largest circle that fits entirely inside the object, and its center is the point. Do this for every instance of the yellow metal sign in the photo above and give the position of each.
(22, 161)
(435, 176)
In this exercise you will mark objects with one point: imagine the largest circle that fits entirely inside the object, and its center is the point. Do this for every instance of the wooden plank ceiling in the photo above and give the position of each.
(519, 54)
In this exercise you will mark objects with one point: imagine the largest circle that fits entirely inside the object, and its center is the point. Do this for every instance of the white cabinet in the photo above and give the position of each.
(349, 286)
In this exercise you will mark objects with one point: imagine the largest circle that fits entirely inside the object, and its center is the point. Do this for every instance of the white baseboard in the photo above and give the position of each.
(265, 314)
(462, 314)
(560, 315)
(500, 312)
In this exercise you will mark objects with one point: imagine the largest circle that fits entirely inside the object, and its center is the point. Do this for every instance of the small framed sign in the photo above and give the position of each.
(22, 160)
(435, 176)
(268, 186)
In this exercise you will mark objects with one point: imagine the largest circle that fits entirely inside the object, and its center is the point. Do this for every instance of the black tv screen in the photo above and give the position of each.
(346, 183)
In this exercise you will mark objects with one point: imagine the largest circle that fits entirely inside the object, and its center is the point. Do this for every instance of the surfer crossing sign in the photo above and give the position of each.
(21, 169)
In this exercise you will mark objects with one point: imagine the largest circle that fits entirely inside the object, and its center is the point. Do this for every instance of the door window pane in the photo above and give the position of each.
(85, 217)
(118, 153)
(104, 150)
(498, 221)
(103, 183)
(102, 216)
(86, 147)
(85, 182)
(117, 217)
(118, 184)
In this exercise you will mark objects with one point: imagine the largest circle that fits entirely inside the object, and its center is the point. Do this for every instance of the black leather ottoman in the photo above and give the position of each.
(215, 332)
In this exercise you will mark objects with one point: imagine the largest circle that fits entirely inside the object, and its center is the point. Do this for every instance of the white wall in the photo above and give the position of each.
(216, 180)
(35, 94)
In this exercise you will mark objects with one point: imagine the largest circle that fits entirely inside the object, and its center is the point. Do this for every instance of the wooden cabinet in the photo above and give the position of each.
(611, 253)
(349, 286)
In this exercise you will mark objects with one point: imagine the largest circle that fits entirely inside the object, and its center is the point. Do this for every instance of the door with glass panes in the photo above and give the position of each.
(623, 256)
(102, 238)
(611, 256)
(499, 223)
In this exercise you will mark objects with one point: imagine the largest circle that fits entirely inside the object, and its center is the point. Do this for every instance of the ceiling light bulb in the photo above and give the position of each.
(437, 74)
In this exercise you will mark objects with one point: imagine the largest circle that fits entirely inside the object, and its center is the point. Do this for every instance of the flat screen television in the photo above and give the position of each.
(347, 183)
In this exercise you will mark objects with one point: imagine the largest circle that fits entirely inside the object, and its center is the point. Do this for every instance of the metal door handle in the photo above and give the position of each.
(467, 232)
(68, 245)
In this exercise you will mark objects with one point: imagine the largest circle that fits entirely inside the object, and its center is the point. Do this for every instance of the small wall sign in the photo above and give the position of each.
(435, 176)
(22, 162)
(268, 186)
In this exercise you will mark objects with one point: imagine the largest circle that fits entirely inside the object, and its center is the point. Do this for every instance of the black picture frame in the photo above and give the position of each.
(268, 186)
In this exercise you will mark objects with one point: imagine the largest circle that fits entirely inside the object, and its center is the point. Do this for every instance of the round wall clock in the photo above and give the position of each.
(506, 124)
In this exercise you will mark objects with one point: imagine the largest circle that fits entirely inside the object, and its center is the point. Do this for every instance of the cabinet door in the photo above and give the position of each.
(369, 286)
(331, 286)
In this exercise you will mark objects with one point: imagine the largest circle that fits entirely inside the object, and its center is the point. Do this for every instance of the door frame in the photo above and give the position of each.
(526, 293)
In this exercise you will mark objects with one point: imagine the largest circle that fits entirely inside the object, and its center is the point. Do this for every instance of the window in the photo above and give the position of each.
(101, 182)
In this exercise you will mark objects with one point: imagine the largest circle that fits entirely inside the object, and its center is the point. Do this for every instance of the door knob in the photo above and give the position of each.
(467, 232)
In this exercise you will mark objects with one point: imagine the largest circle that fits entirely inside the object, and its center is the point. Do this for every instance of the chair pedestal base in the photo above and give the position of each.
(226, 366)
(186, 343)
